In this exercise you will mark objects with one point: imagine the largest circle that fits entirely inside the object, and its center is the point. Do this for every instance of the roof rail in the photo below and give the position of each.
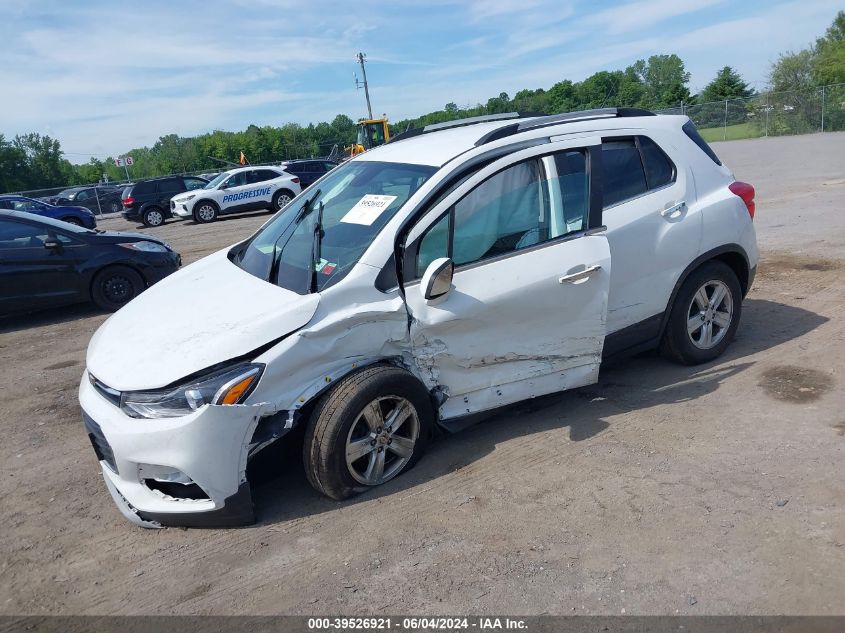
(566, 117)
(446, 125)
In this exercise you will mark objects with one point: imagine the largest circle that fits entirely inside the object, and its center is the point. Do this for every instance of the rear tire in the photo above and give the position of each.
(369, 428)
(705, 315)
(115, 206)
(206, 211)
(153, 217)
(115, 286)
(282, 198)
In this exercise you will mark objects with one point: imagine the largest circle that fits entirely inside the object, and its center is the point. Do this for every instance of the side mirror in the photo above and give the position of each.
(52, 244)
(437, 280)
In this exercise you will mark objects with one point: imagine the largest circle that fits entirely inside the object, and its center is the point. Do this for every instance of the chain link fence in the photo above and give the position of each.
(769, 114)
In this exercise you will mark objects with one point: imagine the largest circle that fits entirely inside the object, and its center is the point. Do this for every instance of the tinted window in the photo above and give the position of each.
(623, 177)
(570, 193)
(262, 175)
(170, 185)
(689, 130)
(659, 170)
(18, 235)
(194, 183)
(144, 188)
(329, 166)
(85, 194)
(6, 204)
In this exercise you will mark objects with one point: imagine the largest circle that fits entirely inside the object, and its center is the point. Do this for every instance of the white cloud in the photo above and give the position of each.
(642, 14)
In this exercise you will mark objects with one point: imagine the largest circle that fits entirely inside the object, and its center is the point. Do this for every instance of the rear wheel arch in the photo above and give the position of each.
(731, 254)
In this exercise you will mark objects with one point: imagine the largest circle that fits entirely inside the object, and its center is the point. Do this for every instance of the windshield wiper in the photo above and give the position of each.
(316, 247)
(277, 259)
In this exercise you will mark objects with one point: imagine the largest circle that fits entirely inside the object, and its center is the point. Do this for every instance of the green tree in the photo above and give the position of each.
(793, 71)
(727, 84)
(664, 81)
(829, 63)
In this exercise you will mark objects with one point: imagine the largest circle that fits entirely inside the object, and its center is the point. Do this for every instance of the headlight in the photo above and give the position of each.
(228, 386)
(147, 247)
(186, 198)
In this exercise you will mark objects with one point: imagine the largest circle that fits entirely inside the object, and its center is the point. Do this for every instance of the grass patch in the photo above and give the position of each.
(730, 133)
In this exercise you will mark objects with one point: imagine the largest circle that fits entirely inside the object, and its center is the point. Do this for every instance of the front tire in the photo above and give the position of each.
(705, 315)
(115, 206)
(153, 217)
(372, 426)
(72, 220)
(205, 212)
(115, 286)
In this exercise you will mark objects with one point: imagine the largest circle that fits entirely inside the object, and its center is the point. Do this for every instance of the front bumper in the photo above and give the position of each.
(180, 210)
(157, 266)
(209, 448)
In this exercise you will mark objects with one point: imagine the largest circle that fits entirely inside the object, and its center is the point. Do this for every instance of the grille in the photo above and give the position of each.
(98, 441)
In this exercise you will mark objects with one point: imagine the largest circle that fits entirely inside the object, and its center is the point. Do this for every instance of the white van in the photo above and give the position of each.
(452, 271)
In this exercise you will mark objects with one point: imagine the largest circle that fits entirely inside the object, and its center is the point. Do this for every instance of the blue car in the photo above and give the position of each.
(80, 216)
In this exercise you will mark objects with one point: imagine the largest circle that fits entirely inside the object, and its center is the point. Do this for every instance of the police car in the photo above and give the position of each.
(236, 191)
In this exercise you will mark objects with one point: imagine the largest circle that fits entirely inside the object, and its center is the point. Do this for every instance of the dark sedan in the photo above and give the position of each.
(45, 263)
(73, 215)
(100, 199)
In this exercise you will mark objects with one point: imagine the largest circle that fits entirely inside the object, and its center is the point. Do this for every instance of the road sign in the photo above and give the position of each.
(124, 161)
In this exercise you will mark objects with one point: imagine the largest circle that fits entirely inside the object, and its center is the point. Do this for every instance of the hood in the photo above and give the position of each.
(186, 194)
(206, 313)
(116, 237)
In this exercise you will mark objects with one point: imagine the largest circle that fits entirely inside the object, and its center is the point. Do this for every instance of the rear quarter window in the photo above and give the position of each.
(659, 170)
(695, 137)
(143, 188)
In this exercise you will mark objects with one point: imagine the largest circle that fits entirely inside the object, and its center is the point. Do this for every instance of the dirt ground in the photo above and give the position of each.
(717, 489)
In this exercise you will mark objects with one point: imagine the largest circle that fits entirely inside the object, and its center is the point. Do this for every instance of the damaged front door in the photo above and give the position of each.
(525, 312)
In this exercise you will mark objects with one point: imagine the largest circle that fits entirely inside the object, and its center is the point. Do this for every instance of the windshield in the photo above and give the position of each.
(68, 194)
(354, 202)
(217, 180)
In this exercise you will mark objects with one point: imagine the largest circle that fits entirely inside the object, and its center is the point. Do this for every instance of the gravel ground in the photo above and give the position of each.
(716, 489)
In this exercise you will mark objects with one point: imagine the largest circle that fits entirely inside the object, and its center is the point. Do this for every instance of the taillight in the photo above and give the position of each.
(746, 192)
(128, 201)
(296, 180)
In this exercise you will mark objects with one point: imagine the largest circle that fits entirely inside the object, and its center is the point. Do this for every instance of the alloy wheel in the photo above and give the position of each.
(710, 314)
(381, 440)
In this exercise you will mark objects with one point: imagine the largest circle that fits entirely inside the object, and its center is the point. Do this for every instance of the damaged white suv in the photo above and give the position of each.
(454, 270)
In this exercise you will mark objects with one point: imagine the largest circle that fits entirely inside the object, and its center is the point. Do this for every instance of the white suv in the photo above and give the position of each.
(236, 191)
(454, 270)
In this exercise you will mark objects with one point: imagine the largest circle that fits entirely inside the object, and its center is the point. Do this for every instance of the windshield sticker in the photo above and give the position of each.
(324, 266)
(367, 209)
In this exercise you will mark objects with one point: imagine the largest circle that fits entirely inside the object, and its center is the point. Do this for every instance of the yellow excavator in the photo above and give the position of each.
(371, 133)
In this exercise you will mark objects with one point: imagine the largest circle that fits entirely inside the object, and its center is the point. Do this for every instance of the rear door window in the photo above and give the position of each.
(170, 186)
(624, 176)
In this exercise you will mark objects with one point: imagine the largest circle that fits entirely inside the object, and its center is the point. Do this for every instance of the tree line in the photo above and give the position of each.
(33, 161)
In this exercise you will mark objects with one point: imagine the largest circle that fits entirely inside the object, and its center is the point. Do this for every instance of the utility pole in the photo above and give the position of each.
(361, 59)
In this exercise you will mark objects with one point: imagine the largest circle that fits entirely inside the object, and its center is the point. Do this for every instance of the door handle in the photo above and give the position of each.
(674, 209)
(581, 274)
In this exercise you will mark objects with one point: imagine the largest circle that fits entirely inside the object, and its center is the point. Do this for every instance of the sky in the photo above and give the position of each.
(106, 76)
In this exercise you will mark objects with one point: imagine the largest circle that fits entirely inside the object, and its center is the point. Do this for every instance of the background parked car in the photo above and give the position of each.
(108, 196)
(45, 263)
(238, 190)
(308, 171)
(149, 201)
(73, 215)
